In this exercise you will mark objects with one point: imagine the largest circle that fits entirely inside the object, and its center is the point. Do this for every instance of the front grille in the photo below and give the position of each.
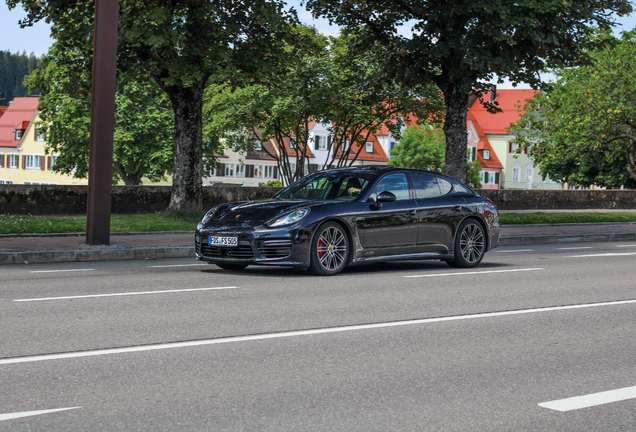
(275, 248)
(243, 251)
(197, 244)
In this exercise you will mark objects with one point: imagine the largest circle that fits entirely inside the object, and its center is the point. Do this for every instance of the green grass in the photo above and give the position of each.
(558, 218)
(118, 223)
(159, 222)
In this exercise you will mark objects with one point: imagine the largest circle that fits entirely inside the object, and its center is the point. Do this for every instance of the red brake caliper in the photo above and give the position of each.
(320, 245)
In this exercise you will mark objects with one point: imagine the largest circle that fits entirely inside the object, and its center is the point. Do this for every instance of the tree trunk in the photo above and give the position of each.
(187, 182)
(129, 180)
(456, 131)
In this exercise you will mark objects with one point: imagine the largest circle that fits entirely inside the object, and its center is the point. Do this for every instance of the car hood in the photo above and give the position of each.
(261, 211)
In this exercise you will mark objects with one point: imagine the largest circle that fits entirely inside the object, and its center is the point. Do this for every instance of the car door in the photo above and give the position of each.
(439, 213)
(390, 229)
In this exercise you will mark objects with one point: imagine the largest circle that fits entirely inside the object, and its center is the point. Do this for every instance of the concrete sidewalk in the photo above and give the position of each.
(34, 248)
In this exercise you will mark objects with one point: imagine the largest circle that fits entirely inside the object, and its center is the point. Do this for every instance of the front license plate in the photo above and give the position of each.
(223, 241)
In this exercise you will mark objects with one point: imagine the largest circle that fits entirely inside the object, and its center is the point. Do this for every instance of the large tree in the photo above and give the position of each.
(462, 45)
(181, 44)
(582, 131)
(13, 69)
(144, 124)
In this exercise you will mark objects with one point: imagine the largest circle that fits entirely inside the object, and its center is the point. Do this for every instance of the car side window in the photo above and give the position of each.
(426, 186)
(444, 186)
(394, 183)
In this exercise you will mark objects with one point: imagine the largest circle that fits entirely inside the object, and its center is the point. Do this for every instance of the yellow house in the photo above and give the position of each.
(22, 158)
(22, 155)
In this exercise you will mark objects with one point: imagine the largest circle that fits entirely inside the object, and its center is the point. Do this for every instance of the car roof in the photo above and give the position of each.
(381, 169)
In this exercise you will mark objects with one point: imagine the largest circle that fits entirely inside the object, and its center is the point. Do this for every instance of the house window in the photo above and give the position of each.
(269, 171)
(470, 135)
(18, 134)
(516, 174)
(13, 161)
(53, 160)
(529, 174)
(257, 145)
(6, 181)
(39, 135)
(33, 162)
(321, 143)
(264, 171)
(292, 142)
(486, 154)
(368, 147)
(234, 170)
(472, 154)
(514, 147)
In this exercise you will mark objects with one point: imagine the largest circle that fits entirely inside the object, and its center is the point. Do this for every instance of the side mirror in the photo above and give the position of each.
(386, 196)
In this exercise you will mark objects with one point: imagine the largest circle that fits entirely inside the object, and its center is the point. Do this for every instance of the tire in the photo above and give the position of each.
(329, 250)
(470, 245)
(235, 267)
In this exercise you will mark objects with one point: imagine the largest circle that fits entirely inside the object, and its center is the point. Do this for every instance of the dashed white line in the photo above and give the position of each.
(124, 294)
(574, 248)
(17, 415)
(601, 255)
(57, 271)
(178, 265)
(472, 273)
(634, 245)
(594, 399)
(234, 339)
(517, 250)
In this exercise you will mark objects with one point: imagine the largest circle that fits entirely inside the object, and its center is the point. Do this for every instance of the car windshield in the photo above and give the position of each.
(328, 185)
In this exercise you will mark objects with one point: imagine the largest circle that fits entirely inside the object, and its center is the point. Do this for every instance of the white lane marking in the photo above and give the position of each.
(472, 273)
(517, 250)
(124, 294)
(56, 271)
(634, 245)
(594, 399)
(602, 255)
(296, 333)
(178, 265)
(17, 415)
(573, 248)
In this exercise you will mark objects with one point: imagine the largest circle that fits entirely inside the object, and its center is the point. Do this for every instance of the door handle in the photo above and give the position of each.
(457, 208)
(413, 212)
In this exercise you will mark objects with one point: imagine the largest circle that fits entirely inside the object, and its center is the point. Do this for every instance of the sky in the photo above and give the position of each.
(37, 39)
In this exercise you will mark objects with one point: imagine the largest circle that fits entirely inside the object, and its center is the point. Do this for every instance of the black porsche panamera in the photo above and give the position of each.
(347, 216)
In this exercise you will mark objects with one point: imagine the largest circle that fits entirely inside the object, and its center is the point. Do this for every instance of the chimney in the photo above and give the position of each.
(493, 94)
(471, 100)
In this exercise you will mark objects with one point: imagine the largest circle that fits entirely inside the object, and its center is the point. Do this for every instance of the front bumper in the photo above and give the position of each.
(283, 247)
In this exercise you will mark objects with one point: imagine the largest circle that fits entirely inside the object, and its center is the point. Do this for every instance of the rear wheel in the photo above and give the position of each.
(235, 267)
(470, 245)
(329, 250)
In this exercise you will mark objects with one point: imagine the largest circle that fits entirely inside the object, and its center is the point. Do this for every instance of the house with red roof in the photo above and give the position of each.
(518, 172)
(479, 148)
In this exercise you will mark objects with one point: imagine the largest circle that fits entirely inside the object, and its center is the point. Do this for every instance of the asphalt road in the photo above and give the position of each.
(173, 345)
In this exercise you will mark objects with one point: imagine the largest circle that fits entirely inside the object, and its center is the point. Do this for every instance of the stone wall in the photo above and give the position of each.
(516, 199)
(64, 200)
(61, 200)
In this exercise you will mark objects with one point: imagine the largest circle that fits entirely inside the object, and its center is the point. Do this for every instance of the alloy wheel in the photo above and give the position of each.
(332, 248)
(471, 243)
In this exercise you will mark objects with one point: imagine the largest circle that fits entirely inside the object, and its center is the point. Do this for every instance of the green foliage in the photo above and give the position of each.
(271, 183)
(583, 130)
(424, 147)
(461, 46)
(144, 124)
(13, 69)
(327, 83)
(506, 218)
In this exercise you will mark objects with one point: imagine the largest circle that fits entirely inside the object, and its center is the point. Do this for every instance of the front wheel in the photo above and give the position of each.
(470, 245)
(329, 250)
(235, 267)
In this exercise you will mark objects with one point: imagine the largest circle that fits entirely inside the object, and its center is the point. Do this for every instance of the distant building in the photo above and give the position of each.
(518, 171)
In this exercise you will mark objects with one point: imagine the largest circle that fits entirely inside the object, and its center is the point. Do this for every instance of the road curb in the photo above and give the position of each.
(565, 238)
(102, 254)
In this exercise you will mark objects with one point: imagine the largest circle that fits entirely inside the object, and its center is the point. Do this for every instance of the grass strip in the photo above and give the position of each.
(560, 218)
(118, 223)
(160, 222)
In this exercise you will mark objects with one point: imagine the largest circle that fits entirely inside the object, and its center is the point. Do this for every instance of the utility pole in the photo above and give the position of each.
(100, 168)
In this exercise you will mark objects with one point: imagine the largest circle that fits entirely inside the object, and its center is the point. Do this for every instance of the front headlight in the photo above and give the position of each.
(289, 218)
(209, 215)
